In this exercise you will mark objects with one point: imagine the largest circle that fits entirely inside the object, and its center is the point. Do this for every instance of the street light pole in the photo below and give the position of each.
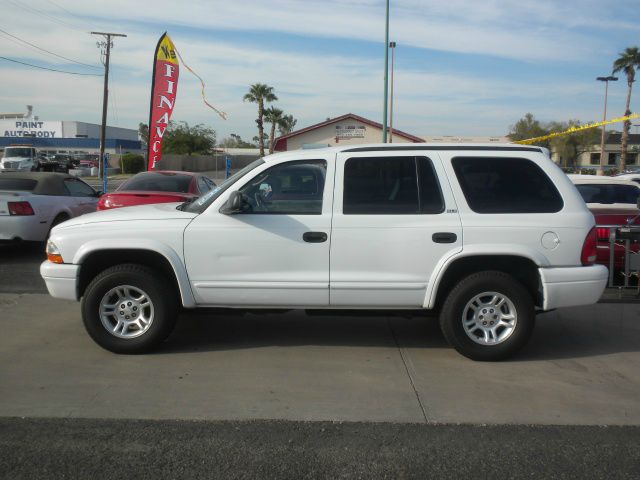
(386, 76)
(392, 46)
(606, 81)
(105, 93)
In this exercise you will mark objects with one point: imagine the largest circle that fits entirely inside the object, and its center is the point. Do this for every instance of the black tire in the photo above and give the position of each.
(454, 307)
(164, 304)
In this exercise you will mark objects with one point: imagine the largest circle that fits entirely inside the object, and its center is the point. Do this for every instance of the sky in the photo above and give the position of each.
(461, 67)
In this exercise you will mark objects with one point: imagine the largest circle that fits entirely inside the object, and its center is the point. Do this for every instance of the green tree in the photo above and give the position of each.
(627, 62)
(143, 133)
(286, 124)
(570, 147)
(181, 138)
(235, 141)
(528, 127)
(260, 93)
(273, 116)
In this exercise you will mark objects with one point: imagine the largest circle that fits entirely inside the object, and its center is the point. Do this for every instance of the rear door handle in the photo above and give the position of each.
(444, 237)
(314, 237)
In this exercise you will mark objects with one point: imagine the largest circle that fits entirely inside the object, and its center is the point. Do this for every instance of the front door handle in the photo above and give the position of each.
(314, 237)
(444, 237)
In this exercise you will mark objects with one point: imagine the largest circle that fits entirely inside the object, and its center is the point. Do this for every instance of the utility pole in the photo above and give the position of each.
(386, 76)
(392, 46)
(606, 81)
(106, 45)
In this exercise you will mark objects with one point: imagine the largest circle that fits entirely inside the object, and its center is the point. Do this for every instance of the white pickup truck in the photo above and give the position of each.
(485, 235)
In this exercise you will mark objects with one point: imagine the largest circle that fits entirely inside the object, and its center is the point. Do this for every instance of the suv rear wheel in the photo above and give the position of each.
(127, 309)
(488, 316)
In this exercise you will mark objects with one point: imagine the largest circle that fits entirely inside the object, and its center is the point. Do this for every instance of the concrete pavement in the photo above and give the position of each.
(581, 368)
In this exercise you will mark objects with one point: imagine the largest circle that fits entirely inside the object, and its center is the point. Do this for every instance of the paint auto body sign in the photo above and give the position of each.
(30, 128)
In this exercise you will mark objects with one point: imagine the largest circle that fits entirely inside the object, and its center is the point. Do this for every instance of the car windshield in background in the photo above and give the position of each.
(201, 204)
(609, 193)
(17, 152)
(158, 182)
(17, 184)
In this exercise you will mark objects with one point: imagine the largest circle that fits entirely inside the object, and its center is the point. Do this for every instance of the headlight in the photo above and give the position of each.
(53, 254)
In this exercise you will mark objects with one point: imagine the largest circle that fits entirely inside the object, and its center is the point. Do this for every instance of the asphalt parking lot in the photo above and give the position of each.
(292, 395)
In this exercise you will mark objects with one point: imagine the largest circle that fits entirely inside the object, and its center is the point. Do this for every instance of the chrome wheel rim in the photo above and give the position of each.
(489, 318)
(126, 311)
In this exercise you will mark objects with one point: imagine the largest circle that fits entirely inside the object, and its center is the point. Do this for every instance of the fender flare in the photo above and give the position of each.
(179, 269)
(476, 251)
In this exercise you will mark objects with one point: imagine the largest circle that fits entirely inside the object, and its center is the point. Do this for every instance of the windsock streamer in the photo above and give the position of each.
(164, 88)
(204, 98)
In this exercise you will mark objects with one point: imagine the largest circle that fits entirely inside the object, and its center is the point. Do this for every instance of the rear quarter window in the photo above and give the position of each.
(506, 185)
(18, 184)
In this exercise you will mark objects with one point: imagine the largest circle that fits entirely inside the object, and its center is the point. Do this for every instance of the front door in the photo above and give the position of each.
(276, 251)
(394, 221)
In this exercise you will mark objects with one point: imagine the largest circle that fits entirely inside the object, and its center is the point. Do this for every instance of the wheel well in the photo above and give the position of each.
(522, 269)
(100, 260)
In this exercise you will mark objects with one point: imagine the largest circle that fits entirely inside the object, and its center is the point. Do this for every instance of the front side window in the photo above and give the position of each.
(391, 186)
(506, 185)
(289, 188)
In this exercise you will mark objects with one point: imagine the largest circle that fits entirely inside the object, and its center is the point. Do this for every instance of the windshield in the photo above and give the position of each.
(17, 152)
(158, 182)
(607, 193)
(201, 204)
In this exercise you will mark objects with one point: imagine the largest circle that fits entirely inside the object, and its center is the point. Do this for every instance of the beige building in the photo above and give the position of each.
(347, 129)
(590, 158)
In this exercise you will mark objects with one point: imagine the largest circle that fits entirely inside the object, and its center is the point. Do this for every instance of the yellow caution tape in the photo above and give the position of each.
(579, 128)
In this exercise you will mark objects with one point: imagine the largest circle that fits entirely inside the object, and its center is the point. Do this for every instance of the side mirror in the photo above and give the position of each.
(233, 205)
(99, 193)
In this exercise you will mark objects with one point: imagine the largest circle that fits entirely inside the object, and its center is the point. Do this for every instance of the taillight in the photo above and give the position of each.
(20, 208)
(589, 252)
(603, 233)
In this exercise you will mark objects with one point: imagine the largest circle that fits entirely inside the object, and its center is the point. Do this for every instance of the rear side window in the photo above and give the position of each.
(17, 184)
(608, 194)
(391, 185)
(506, 185)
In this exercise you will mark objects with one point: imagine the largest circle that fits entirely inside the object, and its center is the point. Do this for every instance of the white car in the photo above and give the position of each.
(486, 235)
(633, 177)
(32, 203)
(609, 192)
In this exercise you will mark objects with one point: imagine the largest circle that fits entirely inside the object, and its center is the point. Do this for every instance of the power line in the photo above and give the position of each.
(44, 15)
(50, 69)
(47, 51)
(61, 8)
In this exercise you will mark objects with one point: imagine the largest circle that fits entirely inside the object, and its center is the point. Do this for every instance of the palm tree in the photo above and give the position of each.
(628, 62)
(272, 115)
(260, 93)
(286, 124)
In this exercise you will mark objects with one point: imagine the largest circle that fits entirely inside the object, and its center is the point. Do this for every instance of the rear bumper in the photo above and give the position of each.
(23, 227)
(572, 286)
(61, 279)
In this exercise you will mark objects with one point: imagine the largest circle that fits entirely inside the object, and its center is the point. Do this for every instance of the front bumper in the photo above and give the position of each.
(572, 286)
(61, 279)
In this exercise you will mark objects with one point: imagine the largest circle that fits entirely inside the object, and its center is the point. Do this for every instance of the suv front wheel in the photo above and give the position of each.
(127, 309)
(488, 316)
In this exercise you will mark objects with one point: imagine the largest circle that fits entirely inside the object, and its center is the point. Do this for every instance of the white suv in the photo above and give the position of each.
(485, 235)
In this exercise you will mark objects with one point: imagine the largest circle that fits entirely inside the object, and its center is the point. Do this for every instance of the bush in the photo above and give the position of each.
(132, 163)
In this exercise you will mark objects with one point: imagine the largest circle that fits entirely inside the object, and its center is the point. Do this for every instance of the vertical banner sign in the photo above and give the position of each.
(163, 96)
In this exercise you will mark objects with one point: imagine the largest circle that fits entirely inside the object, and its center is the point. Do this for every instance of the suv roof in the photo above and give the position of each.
(395, 147)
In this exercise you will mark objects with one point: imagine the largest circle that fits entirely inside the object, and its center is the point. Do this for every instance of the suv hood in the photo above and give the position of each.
(156, 211)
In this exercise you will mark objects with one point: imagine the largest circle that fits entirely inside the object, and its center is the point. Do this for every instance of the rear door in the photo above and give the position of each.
(82, 198)
(394, 221)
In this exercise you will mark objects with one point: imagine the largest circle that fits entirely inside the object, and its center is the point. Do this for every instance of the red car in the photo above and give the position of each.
(613, 203)
(157, 187)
